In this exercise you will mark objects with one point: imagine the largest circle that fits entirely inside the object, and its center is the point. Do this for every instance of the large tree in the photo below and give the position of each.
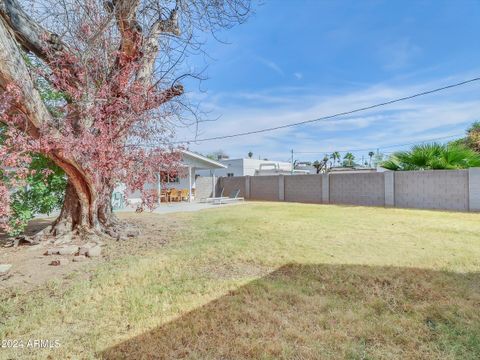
(335, 156)
(349, 159)
(115, 67)
(472, 140)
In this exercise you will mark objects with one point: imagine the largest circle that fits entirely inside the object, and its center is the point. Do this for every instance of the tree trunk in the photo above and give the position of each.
(70, 216)
(87, 209)
(84, 216)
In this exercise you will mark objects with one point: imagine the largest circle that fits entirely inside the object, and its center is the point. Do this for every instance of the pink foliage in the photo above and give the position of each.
(101, 126)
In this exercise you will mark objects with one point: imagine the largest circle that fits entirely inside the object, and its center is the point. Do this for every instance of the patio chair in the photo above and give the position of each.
(233, 197)
(184, 194)
(175, 195)
(212, 199)
(164, 195)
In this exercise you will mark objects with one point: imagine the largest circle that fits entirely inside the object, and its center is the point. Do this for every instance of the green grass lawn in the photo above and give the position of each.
(270, 281)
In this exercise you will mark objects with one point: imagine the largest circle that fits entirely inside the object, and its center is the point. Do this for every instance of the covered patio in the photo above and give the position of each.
(187, 179)
(185, 185)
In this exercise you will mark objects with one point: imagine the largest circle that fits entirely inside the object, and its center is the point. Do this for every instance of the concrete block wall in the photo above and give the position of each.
(264, 188)
(457, 190)
(304, 188)
(281, 188)
(203, 187)
(231, 184)
(389, 183)
(433, 189)
(358, 189)
(325, 188)
(474, 189)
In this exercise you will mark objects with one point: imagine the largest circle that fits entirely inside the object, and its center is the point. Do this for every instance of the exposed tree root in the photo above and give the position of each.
(86, 221)
(64, 232)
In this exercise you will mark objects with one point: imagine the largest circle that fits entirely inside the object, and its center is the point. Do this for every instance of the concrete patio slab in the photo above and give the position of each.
(182, 207)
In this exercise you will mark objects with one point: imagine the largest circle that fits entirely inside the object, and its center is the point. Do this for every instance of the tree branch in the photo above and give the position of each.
(165, 26)
(125, 12)
(164, 96)
(14, 71)
(41, 42)
(28, 33)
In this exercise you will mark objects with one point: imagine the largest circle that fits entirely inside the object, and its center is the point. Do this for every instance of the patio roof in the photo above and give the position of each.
(197, 161)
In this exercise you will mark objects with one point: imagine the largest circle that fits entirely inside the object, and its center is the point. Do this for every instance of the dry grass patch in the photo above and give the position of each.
(329, 312)
(269, 281)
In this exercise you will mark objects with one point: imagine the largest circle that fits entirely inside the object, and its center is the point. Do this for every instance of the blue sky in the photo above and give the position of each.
(297, 60)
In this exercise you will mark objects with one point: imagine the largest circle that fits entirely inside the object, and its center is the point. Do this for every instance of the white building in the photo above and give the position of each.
(252, 167)
(306, 167)
(192, 165)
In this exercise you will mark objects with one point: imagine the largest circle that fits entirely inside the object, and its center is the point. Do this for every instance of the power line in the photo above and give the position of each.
(328, 117)
(381, 147)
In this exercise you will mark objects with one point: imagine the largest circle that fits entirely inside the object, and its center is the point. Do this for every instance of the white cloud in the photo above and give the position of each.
(432, 116)
(298, 75)
(271, 65)
(399, 54)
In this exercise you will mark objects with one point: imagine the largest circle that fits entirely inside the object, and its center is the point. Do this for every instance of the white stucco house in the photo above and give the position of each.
(187, 178)
(193, 164)
(252, 167)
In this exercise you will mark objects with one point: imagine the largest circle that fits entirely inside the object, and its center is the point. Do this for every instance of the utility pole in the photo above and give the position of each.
(292, 161)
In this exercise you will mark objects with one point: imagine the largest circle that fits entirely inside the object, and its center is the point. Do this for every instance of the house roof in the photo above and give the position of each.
(199, 161)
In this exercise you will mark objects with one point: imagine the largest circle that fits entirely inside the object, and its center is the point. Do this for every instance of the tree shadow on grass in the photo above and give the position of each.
(326, 311)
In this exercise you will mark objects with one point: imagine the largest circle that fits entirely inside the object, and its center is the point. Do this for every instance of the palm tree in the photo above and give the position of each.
(433, 156)
(321, 165)
(325, 161)
(348, 159)
(335, 156)
(370, 155)
(318, 166)
(250, 154)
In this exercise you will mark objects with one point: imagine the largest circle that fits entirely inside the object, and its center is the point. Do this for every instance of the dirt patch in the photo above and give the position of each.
(157, 230)
(31, 267)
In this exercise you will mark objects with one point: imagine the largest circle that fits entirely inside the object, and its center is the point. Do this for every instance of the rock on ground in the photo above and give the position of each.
(5, 268)
(64, 239)
(84, 248)
(80, 258)
(19, 240)
(59, 262)
(68, 250)
(64, 250)
(94, 251)
(52, 251)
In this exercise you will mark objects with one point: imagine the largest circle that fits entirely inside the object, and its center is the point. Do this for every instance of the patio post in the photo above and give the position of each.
(189, 184)
(213, 184)
(159, 189)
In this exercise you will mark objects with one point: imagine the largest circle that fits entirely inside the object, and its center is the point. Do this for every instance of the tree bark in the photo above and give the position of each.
(13, 70)
(85, 216)
(87, 204)
(87, 207)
